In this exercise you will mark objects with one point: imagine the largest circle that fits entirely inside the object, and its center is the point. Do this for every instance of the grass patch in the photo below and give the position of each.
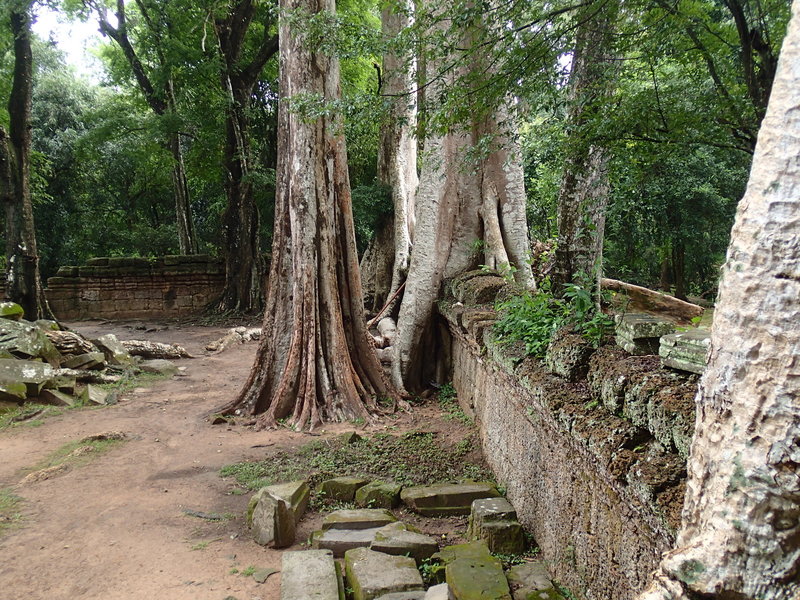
(414, 458)
(78, 452)
(448, 402)
(131, 381)
(10, 513)
(27, 415)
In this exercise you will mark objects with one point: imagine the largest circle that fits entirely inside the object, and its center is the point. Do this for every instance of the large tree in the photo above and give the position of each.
(23, 281)
(385, 263)
(470, 209)
(316, 361)
(241, 246)
(740, 533)
(584, 191)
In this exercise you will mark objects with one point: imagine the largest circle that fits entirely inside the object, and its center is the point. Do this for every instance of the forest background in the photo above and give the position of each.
(678, 122)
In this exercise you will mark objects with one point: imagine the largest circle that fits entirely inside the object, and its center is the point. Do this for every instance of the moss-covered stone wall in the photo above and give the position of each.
(125, 288)
(591, 444)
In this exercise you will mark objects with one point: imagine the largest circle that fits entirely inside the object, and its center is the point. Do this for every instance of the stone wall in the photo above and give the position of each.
(590, 445)
(125, 288)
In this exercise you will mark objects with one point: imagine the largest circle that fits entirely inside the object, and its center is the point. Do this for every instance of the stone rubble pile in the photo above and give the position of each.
(41, 363)
(381, 557)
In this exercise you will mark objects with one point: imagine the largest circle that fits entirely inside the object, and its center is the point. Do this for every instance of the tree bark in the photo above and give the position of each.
(244, 266)
(315, 361)
(740, 534)
(465, 214)
(23, 281)
(397, 164)
(583, 195)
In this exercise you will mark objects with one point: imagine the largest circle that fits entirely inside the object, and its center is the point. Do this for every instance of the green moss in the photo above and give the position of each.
(690, 571)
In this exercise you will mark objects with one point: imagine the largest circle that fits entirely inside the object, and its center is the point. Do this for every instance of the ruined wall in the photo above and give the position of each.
(593, 458)
(124, 288)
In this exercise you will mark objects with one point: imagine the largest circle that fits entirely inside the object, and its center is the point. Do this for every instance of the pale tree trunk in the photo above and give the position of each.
(187, 241)
(740, 534)
(316, 361)
(23, 280)
(583, 195)
(466, 215)
(397, 167)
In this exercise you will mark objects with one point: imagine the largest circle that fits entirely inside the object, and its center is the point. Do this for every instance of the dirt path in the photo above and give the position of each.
(115, 527)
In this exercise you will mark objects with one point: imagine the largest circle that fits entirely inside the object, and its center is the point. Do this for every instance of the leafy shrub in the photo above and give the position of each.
(533, 318)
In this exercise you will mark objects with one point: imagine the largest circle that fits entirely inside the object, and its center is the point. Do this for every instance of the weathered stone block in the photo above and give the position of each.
(685, 351)
(273, 522)
(477, 579)
(55, 397)
(310, 574)
(397, 539)
(94, 395)
(531, 581)
(417, 595)
(439, 592)
(446, 498)
(340, 541)
(34, 375)
(639, 333)
(342, 488)
(363, 518)
(24, 339)
(113, 350)
(295, 493)
(494, 521)
(372, 574)
(87, 361)
(159, 366)
(568, 356)
(379, 494)
(11, 310)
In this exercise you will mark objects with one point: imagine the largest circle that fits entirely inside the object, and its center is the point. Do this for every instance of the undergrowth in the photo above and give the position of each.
(414, 458)
(10, 513)
(533, 318)
(448, 402)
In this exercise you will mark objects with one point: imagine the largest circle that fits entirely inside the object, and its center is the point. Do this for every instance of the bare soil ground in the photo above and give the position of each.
(115, 527)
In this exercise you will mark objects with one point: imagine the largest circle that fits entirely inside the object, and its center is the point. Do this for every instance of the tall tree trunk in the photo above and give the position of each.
(397, 164)
(23, 281)
(465, 216)
(583, 195)
(187, 241)
(740, 534)
(316, 361)
(244, 266)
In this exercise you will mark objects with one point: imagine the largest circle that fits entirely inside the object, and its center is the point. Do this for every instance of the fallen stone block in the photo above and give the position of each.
(273, 522)
(295, 493)
(13, 391)
(113, 350)
(57, 398)
(446, 498)
(531, 581)
(23, 339)
(639, 333)
(159, 366)
(87, 361)
(480, 578)
(310, 574)
(372, 574)
(448, 554)
(11, 311)
(399, 540)
(362, 518)
(339, 541)
(439, 592)
(93, 395)
(378, 494)
(494, 521)
(417, 595)
(685, 351)
(33, 374)
(342, 488)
